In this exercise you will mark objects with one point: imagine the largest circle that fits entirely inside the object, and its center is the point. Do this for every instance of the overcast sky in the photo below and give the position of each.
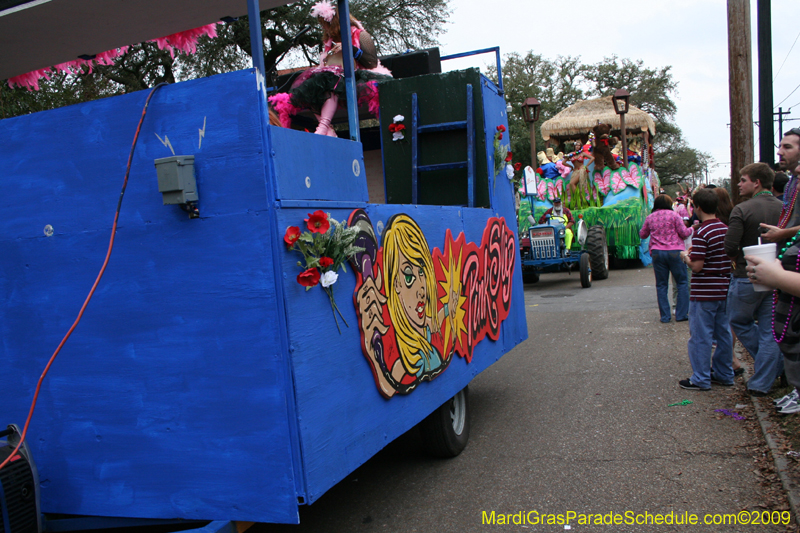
(689, 35)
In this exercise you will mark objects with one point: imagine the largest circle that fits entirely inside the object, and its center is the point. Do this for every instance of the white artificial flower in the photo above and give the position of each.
(398, 136)
(328, 278)
(510, 172)
(398, 118)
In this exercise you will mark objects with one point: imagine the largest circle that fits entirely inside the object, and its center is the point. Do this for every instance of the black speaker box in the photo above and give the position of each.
(414, 63)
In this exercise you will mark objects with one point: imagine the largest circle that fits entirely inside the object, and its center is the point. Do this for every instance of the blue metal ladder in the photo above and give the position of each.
(417, 130)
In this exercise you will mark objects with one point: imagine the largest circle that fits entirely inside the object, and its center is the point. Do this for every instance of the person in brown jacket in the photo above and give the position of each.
(750, 312)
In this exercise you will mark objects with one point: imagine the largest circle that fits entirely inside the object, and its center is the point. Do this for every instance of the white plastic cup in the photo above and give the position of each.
(767, 253)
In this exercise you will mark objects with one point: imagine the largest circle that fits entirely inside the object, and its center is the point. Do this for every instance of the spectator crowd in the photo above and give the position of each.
(700, 241)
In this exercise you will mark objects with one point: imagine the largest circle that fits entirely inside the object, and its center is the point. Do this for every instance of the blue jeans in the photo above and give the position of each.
(745, 308)
(709, 320)
(664, 262)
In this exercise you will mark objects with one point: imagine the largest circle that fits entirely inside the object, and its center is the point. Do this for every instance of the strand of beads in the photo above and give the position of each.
(756, 195)
(786, 214)
(791, 300)
(788, 245)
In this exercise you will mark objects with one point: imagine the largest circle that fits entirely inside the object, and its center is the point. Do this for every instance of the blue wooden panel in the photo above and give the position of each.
(503, 203)
(88, 147)
(317, 167)
(343, 418)
(170, 400)
(494, 114)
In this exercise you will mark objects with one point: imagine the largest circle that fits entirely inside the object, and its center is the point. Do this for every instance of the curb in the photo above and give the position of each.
(781, 464)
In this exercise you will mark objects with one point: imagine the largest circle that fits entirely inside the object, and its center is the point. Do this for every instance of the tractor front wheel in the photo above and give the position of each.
(597, 247)
(586, 271)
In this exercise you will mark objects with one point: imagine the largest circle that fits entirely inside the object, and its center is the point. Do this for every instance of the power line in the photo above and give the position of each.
(787, 97)
(787, 57)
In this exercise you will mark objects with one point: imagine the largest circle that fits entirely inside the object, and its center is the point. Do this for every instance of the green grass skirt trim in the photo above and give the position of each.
(622, 222)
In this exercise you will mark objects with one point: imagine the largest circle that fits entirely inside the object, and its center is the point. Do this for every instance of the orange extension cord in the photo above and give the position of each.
(91, 292)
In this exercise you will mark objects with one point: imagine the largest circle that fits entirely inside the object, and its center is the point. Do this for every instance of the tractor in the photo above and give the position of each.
(544, 250)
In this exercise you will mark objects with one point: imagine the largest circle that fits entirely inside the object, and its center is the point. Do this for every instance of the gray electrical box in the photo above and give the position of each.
(176, 179)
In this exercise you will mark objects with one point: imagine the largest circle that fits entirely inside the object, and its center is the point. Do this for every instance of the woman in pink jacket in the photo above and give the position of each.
(667, 232)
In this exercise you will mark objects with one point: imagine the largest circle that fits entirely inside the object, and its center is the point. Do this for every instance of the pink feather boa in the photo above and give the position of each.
(282, 104)
(369, 94)
(185, 41)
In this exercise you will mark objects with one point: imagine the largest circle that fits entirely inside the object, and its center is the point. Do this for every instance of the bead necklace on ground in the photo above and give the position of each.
(775, 293)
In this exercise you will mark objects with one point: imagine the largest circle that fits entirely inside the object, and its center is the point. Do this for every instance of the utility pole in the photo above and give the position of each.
(780, 114)
(740, 85)
(766, 128)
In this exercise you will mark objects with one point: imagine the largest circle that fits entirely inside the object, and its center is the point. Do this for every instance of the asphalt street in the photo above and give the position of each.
(574, 420)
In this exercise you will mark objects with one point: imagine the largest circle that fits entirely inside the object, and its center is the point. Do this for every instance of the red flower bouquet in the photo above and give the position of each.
(326, 247)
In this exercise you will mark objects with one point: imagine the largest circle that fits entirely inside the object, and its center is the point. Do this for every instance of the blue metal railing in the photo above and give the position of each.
(496, 51)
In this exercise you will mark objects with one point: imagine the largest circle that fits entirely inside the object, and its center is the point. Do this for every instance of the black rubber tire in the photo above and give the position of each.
(530, 276)
(597, 247)
(446, 431)
(586, 271)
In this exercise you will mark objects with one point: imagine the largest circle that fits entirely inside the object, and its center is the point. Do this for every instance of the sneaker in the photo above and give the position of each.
(688, 385)
(791, 397)
(790, 408)
(715, 381)
(757, 393)
(738, 371)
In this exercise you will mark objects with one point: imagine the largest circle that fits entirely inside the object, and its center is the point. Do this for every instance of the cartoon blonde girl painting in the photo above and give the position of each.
(408, 265)
(412, 303)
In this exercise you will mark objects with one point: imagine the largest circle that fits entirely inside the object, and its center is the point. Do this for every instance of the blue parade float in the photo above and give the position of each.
(214, 375)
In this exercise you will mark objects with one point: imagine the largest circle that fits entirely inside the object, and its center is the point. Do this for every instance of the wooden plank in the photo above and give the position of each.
(442, 99)
(296, 158)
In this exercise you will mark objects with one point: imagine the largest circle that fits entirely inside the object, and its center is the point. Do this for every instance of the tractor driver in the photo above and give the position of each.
(559, 211)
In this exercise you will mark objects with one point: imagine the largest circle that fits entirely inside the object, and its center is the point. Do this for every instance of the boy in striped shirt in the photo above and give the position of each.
(708, 316)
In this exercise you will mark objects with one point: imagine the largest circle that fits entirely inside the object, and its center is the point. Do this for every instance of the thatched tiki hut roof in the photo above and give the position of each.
(576, 121)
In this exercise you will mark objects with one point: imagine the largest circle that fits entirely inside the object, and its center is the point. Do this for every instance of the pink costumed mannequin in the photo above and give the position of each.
(325, 12)
(320, 89)
(332, 57)
(326, 114)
